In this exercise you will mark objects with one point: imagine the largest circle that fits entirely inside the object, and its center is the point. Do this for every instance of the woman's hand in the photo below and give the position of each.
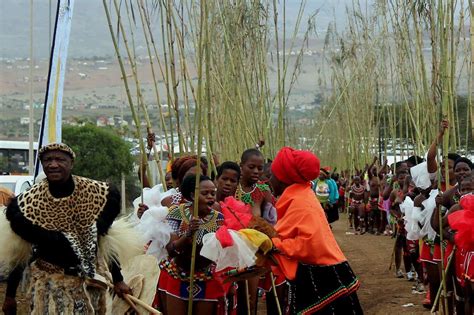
(193, 227)
(141, 209)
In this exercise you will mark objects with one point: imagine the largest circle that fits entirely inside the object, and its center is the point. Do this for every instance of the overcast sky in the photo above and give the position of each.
(90, 35)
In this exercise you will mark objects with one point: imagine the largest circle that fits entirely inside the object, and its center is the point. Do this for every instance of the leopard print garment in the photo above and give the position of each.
(75, 216)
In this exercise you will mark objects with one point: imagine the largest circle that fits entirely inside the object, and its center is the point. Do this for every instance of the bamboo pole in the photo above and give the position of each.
(124, 77)
(203, 24)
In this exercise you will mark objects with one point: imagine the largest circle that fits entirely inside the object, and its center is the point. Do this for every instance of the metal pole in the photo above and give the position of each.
(31, 169)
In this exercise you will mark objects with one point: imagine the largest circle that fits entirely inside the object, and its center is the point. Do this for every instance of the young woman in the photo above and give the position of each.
(181, 168)
(250, 189)
(321, 280)
(227, 180)
(459, 222)
(327, 193)
(357, 205)
(174, 277)
(258, 195)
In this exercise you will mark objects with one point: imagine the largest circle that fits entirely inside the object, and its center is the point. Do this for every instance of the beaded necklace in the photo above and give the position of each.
(255, 195)
(180, 216)
(243, 196)
(357, 190)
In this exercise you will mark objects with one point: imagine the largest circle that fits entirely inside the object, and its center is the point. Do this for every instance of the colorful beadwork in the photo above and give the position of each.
(174, 271)
(179, 217)
(255, 195)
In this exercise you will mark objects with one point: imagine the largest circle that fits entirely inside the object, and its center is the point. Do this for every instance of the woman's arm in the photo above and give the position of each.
(432, 152)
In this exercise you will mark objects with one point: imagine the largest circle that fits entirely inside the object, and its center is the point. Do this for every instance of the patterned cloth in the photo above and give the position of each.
(203, 290)
(175, 280)
(74, 216)
(58, 293)
(324, 290)
(179, 216)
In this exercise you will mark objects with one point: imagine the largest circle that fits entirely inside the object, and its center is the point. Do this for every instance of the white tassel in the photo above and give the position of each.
(14, 250)
(121, 243)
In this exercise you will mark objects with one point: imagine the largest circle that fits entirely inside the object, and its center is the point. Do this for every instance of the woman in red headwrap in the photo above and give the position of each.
(321, 280)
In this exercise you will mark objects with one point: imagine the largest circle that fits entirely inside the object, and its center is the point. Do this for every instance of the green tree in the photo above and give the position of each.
(101, 154)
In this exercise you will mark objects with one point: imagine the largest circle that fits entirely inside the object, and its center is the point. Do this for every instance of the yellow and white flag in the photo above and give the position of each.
(50, 131)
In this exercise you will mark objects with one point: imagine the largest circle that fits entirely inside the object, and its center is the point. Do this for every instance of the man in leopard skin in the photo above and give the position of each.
(60, 221)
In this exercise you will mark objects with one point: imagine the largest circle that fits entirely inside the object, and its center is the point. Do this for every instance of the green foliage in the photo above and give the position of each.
(101, 153)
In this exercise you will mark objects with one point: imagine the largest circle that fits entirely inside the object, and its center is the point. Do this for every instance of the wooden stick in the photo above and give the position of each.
(137, 301)
(247, 296)
(440, 289)
(132, 305)
(277, 301)
(143, 304)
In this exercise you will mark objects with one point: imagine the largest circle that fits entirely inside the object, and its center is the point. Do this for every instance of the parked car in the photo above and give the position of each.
(16, 183)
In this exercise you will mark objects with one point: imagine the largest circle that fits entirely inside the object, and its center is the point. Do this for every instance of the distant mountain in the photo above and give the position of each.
(90, 35)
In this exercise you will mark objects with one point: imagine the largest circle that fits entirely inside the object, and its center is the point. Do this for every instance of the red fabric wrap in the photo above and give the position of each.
(224, 237)
(295, 166)
(462, 222)
(237, 214)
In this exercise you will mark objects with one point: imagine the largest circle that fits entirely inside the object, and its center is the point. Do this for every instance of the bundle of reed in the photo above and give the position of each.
(387, 92)
(243, 42)
(212, 68)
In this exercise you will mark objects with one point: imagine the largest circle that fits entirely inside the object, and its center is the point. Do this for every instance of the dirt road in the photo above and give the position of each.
(369, 257)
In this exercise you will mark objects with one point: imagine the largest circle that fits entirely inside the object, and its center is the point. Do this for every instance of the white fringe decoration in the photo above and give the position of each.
(14, 250)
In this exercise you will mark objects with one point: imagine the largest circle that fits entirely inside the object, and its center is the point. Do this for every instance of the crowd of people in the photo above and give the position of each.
(427, 210)
(64, 231)
(306, 272)
(259, 228)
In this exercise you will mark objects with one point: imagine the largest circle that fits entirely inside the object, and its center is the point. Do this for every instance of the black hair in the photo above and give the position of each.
(189, 164)
(176, 164)
(464, 160)
(189, 184)
(228, 165)
(322, 170)
(249, 153)
(267, 167)
(453, 156)
(415, 160)
(204, 160)
(398, 164)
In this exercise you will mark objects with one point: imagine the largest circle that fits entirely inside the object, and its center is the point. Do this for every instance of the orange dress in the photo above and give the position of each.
(304, 234)
(320, 278)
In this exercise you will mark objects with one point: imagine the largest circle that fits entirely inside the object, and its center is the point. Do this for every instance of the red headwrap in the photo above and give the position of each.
(295, 166)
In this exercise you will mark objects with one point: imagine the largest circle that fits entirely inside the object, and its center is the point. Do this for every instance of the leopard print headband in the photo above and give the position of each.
(56, 147)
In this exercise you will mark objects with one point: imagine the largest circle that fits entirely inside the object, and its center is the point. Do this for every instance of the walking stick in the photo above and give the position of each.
(132, 305)
(438, 294)
(440, 218)
(247, 296)
(130, 299)
(275, 294)
(392, 259)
